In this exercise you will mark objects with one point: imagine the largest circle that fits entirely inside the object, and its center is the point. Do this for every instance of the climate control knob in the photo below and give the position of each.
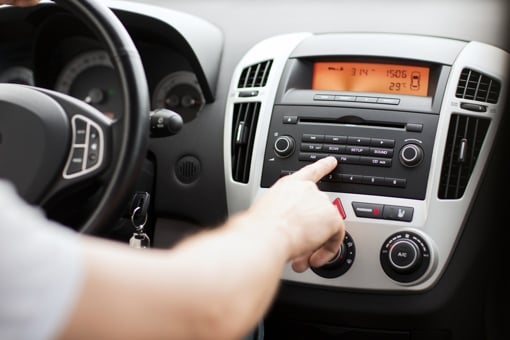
(411, 155)
(341, 263)
(405, 257)
(284, 146)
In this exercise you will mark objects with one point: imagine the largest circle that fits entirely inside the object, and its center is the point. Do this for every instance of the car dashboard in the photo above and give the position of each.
(415, 116)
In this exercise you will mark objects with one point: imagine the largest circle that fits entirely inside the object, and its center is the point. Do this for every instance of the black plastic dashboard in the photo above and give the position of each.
(457, 290)
(53, 50)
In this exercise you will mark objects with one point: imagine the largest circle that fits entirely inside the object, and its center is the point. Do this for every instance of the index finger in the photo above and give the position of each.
(315, 171)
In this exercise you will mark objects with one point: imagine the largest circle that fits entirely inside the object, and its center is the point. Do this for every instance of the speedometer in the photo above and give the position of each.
(90, 76)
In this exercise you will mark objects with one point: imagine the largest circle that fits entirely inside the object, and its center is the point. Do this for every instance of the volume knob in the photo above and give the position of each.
(411, 155)
(284, 146)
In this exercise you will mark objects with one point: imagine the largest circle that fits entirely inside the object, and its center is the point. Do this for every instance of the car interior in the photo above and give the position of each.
(165, 117)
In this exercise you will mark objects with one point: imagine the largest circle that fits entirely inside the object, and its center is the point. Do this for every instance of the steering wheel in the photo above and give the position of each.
(51, 143)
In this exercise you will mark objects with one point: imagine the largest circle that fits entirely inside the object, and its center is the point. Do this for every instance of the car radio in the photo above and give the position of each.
(383, 140)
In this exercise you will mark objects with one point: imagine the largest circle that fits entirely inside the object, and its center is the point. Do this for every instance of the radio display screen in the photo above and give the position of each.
(371, 77)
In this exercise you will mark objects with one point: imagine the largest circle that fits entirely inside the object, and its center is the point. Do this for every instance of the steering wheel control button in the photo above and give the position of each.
(284, 146)
(405, 257)
(341, 263)
(398, 213)
(76, 162)
(411, 155)
(80, 132)
(87, 151)
(369, 210)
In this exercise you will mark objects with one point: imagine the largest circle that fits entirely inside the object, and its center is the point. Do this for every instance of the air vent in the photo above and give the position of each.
(476, 86)
(464, 141)
(255, 75)
(243, 134)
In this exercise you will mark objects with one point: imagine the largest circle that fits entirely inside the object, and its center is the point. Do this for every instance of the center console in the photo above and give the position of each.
(411, 121)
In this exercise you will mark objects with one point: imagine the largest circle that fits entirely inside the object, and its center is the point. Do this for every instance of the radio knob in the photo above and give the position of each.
(411, 155)
(284, 146)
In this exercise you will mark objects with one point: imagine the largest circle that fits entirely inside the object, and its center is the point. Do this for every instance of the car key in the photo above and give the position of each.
(139, 207)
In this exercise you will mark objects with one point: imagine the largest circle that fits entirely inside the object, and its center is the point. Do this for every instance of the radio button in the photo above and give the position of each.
(356, 179)
(335, 139)
(362, 99)
(284, 173)
(334, 148)
(312, 138)
(382, 143)
(290, 119)
(311, 157)
(323, 97)
(414, 127)
(348, 159)
(358, 140)
(389, 101)
(395, 182)
(345, 98)
(373, 161)
(357, 150)
(329, 178)
(381, 152)
(311, 147)
(374, 180)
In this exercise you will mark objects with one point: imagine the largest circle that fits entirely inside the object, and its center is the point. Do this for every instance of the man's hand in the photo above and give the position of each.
(306, 216)
(20, 3)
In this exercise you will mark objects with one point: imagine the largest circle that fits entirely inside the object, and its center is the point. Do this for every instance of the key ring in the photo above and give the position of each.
(138, 227)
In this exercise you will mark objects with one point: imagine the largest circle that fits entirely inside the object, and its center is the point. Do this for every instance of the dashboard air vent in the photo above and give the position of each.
(476, 86)
(243, 135)
(463, 144)
(255, 75)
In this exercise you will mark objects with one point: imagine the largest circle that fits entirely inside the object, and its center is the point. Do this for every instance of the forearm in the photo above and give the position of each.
(241, 264)
(215, 284)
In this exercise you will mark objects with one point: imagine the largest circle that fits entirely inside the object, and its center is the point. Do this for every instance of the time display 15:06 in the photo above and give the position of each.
(371, 77)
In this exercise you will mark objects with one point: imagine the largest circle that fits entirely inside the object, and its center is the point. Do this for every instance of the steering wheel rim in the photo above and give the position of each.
(134, 122)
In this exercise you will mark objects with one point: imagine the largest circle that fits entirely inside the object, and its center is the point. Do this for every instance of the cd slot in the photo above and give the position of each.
(351, 120)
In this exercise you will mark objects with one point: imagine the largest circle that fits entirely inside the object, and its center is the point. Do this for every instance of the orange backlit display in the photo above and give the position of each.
(371, 77)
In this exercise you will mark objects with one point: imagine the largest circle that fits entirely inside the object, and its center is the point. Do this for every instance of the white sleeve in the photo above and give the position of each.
(41, 271)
